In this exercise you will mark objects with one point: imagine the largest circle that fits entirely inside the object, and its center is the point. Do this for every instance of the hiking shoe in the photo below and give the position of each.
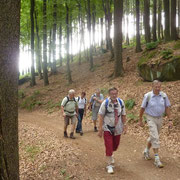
(146, 155)
(95, 129)
(65, 134)
(158, 163)
(81, 133)
(77, 131)
(72, 136)
(110, 169)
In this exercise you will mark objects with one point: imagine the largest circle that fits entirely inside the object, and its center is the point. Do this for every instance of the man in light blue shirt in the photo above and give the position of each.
(155, 104)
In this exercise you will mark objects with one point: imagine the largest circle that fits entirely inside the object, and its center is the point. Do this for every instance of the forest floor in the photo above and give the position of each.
(45, 154)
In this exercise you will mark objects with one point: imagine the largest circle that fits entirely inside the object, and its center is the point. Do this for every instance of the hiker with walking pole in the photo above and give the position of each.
(112, 122)
(155, 104)
(95, 103)
(69, 110)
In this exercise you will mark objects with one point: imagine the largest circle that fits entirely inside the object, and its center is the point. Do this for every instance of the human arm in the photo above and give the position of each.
(141, 116)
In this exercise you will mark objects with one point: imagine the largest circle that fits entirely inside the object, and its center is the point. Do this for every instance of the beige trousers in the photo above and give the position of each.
(155, 124)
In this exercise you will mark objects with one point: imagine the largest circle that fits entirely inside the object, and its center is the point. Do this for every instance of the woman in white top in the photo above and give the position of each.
(82, 111)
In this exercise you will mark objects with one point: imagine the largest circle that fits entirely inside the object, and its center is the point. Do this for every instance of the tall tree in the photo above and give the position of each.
(146, 21)
(179, 18)
(33, 81)
(54, 36)
(154, 20)
(68, 44)
(118, 13)
(159, 18)
(9, 55)
(138, 38)
(167, 21)
(173, 20)
(60, 44)
(127, 21)
(89, 29)
(45, 71)
(38, 56)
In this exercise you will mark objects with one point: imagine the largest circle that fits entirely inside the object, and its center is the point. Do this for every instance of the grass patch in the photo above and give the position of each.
(130, 103)
(177, 45)
(32, 151)
(152, 45)
(132, 118)
(21, 94)
(167, 54)
(104, 91)
(30, 102)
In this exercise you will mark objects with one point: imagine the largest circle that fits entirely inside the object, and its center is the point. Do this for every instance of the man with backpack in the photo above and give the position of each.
(112, 121)
(95, 103)
(82, 111)
(69, 109)
(155, 104)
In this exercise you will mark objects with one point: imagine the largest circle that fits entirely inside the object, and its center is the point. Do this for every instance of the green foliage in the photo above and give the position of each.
(167, 53)
(132, 118)
(104, 91)
(130, 103)
(32, 151)
(177, 45)
(152, 45)
(21, 94)
(30, 102)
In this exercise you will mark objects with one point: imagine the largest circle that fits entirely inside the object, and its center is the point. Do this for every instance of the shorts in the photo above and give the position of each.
(95, 111)
(68, 118)
(155, 124)
(111, 142)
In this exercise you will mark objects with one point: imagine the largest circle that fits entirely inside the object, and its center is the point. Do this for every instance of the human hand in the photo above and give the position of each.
(95, 98)
(64, 115)
(170, 125)
(100, 133)
(125, 129)
(141, 124)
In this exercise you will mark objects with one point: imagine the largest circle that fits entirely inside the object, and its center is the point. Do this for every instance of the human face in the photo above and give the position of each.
(113, 95)
(82, 95)
(71, 95)
(156, 88)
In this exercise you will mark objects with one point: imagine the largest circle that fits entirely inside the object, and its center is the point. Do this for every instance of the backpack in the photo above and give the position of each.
(107, 101)
(79, 99)
(150, 95)
(69, 100)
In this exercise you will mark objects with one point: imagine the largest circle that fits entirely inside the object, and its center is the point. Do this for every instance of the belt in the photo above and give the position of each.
(69, 111)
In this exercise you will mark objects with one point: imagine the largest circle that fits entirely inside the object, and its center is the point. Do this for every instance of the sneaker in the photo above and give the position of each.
(72, 136)
(158, 163)
(81, 133)
(65, 134)
(146, 155)
(95, 129)
(110, 169)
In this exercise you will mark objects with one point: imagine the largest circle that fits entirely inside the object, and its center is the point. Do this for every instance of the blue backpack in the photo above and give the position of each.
(107, 102)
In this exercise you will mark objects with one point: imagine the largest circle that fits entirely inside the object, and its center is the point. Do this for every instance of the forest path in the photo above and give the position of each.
(129, 163)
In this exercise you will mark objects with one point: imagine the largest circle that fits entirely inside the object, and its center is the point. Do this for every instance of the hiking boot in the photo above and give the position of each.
(81, 133)
(110, 169)
(72, 136)
(146, 155)
(65, 134)
(158, 163)
(77, 131)
(95, 129)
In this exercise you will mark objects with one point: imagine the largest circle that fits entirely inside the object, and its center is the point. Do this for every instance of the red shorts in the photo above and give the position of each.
(111, 142)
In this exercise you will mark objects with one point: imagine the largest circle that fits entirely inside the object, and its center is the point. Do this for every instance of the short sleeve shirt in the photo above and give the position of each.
(109, 118)
(69, 107)
(155, 105)
(81, 102)
(95, 103)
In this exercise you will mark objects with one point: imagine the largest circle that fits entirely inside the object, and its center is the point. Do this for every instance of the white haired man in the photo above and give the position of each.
(69, 110)
(155, 104)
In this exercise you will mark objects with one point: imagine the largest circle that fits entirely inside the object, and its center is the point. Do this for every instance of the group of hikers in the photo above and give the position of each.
(111, 114)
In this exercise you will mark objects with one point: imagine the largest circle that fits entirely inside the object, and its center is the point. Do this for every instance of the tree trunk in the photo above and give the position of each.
(38, 48)
(138, 38)
(159, 18)
(167, 21)
(127, 21)
(146, 21)
(54, 37)
(173, 21)
(89, 29)
(101, 33)
(45, 71)
(33, 81)
(80, 30)
(68, 44)
(94, 26)
(154, 20)
(60, 44)
(179, 17)
(9, 58)
(71, 33)
(118, 13)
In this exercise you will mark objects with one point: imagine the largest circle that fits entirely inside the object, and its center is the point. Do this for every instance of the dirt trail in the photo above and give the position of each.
(129, 163)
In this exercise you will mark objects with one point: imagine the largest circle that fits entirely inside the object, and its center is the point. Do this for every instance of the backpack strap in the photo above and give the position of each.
(66, 101)
(78, 99)
(148, 97)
